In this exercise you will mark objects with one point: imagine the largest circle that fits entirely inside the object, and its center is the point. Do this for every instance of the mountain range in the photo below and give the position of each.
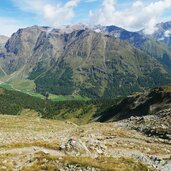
(99, 61)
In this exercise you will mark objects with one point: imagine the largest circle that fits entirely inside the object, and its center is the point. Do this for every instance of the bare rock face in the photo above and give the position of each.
(23, 41)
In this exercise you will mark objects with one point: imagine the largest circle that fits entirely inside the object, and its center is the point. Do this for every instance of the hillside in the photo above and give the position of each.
(156, 45)
(30, 143)
(44, 134)
(83, 62)
(81, 112)
(147, 112)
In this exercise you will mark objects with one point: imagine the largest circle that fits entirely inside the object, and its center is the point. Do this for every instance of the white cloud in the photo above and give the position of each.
(135, 17)
(29, 5)
(55, 13)
(89, 1)
(167, 33)
(59, 14)
(52, 13)
(9, 26)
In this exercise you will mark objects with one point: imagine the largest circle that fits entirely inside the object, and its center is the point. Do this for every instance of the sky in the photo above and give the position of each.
(132, 15)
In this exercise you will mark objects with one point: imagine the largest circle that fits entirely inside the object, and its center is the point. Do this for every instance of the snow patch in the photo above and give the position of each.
(97, 30)
(49, 31)
(167, 33)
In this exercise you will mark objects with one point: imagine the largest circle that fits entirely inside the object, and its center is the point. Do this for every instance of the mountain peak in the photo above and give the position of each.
(163, 32)
(165, 25)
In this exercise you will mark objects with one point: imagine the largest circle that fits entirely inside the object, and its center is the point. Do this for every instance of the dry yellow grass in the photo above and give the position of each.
(2, 91)
(167, 88)
(24, 132)
(48, 145)
(42, 161)
(108, 163)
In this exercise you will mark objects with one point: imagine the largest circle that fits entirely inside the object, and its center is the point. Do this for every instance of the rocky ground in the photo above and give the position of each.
(28, 143)
(154, 125)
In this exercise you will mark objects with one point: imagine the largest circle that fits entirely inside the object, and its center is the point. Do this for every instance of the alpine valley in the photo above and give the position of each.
(91, 62)
(85, 98)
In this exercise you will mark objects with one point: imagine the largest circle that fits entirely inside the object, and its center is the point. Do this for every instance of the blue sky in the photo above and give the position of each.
(129, 14)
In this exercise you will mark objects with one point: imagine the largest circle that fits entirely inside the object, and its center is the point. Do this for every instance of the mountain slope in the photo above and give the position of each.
(148, 112)
(153, 45)
(141, 104)
(84, 62)
(81, 112)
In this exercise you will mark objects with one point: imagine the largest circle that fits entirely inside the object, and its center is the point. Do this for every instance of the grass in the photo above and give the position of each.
(28, 131)
(107, 163)
(6, 86)
(44, 161)
(28, 87)
(2, 91)
(167, 88)
(48, 145)
(5, 162)
(80, 116)
(54, 97)
(8, 122)
(29, 113)
(9, 86)
(25, 85)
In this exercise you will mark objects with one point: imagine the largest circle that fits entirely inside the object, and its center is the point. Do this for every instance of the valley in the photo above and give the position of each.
(69, 136)
(89, 64)
(85, 98)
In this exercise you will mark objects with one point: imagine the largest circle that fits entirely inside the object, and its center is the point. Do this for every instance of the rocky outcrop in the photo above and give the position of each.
(148, 112)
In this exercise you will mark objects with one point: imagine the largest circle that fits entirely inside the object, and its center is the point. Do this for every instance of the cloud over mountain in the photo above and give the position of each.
(137, 16)
(54, 14)
(132, 15)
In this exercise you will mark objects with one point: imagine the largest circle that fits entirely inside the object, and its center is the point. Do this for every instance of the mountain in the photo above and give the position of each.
(85, 61)
(134, 38)
(77, 60)
(163, 33)
(151, 45)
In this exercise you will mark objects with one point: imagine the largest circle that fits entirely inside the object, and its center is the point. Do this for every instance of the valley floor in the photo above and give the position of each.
(30, 143)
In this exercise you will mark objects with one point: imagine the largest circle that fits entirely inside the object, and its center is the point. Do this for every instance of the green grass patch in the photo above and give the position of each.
(67, 98)
(6, 86)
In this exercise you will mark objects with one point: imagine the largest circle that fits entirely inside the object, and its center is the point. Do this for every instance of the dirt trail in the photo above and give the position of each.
(33, 149)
